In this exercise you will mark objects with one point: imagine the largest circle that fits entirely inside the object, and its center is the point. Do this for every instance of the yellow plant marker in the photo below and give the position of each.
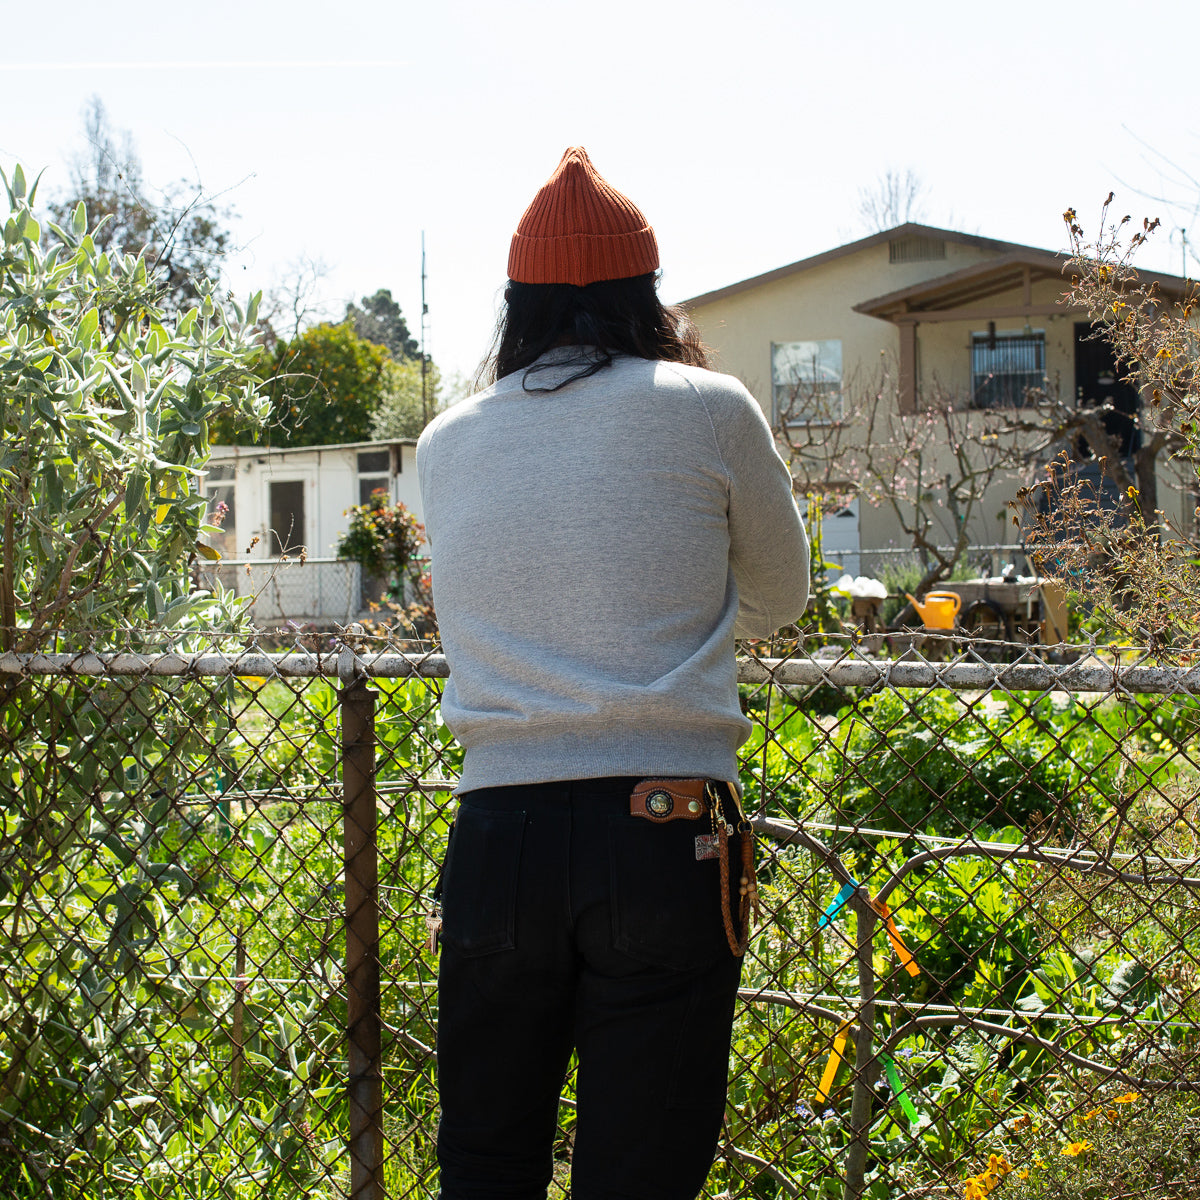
(902, 953)
(835, 1057)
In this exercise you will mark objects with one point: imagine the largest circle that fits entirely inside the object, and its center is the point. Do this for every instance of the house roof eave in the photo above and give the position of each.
(237, 451)
(909, 229)
(1008, 254)
(965, 285)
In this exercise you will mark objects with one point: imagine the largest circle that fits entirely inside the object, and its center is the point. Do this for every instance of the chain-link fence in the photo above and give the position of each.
(978, 963)
(324, 592)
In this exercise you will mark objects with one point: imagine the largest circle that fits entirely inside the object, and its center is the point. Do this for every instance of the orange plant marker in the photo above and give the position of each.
(902, 952)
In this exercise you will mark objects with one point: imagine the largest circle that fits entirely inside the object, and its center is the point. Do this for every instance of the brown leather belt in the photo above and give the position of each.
(661, 800)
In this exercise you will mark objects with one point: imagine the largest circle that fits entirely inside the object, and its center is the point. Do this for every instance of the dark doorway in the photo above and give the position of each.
(287, 516)
(1097, 381)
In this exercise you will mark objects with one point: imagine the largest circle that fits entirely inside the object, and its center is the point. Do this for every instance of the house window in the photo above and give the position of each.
(374, 472)
(1004, 366)
(220, 489)
(806, 382)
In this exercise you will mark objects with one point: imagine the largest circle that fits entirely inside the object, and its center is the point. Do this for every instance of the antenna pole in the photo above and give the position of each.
(424, 356)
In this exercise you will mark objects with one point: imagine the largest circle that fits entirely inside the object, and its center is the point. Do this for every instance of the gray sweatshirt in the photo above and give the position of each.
(594, 552)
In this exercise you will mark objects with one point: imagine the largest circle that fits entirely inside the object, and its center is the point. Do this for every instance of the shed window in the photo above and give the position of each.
(220, 489)
(222, 515)
(374, 473)
(374, 462)
(1004, 366)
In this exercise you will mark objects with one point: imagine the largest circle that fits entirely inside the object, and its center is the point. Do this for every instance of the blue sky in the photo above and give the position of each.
(743, 131)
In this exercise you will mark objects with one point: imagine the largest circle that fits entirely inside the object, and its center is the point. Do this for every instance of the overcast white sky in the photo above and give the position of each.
(743, 131)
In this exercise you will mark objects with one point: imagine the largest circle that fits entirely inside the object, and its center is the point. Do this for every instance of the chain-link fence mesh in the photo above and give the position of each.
(978, 964)
(322, 592)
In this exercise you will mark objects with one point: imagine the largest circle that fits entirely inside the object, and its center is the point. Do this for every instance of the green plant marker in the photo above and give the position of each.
(893, 1078)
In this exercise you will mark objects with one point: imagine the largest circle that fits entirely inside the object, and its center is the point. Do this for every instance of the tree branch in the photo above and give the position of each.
(64, 597)
(933, 1020)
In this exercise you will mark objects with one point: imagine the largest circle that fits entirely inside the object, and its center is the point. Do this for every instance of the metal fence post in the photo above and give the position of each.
(866, 1068)
(365, 1073)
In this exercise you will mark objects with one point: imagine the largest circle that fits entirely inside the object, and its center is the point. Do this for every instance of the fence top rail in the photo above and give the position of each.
(310, 560)
(1088, 675)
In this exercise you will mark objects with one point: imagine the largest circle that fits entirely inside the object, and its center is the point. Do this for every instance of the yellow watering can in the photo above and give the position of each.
(939, 609)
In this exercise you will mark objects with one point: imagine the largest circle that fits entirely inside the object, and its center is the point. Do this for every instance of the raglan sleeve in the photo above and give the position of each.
(424, 477)
(768, 545)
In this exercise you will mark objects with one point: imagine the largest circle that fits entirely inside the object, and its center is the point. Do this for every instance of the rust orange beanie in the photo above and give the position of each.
(579, 229)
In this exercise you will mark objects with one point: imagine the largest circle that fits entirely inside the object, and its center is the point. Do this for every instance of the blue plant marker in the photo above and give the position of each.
(836, 904)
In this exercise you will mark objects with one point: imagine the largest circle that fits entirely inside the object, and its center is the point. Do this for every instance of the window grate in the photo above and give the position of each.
(1005, 366)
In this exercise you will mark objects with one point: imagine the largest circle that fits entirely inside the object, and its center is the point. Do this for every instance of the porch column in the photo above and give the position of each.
(908, 365)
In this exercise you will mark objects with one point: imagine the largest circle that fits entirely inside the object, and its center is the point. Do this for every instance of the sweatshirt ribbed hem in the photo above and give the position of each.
(595, 754)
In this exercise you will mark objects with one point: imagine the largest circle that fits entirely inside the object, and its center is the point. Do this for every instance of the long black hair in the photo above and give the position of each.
(613, 316)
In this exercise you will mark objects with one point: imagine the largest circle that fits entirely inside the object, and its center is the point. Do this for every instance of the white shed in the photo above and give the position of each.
(292, 502)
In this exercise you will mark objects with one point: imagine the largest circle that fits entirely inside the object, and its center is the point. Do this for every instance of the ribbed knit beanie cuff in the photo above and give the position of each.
(580, 230)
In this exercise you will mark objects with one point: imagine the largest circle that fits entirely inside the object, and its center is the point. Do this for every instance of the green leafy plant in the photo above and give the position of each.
(106, 407)
(106, 401)
(935, 768)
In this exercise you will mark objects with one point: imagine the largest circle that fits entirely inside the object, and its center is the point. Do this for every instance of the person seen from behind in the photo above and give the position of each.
(604, 518)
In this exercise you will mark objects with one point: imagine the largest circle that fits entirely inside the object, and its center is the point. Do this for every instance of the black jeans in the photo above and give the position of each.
(569, 924)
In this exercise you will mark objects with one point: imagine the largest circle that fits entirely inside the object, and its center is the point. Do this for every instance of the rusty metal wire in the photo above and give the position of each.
(979, 963)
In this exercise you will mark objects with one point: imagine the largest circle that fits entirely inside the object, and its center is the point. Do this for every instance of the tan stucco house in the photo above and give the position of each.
(965, 319)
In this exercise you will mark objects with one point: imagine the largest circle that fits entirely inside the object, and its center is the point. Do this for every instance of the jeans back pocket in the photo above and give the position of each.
(479, 890)
(666, 906)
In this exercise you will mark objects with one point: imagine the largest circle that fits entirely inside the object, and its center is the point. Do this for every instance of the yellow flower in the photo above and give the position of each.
(1095, 1112)
(979, 1187)
(1022, 1173)
(1128, 1098)
(1075, 1149)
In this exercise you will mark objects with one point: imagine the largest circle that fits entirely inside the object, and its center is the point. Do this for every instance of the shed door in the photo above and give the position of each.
(287, 528)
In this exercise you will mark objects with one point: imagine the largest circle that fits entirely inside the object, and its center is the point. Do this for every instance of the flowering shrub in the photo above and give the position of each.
(1123, 1145)
(385, 539)
(976, 1187)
